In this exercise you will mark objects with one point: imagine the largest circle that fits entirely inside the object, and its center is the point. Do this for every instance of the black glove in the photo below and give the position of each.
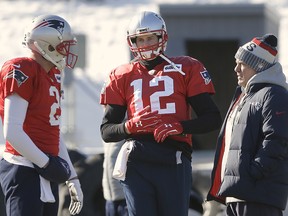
(58, 170)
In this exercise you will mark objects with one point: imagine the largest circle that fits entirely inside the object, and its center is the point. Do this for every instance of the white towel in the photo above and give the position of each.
(46, 192)
(45, 187)
(119, 171)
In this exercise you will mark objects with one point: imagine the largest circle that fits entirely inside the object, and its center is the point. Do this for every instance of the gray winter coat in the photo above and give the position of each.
(112, 189)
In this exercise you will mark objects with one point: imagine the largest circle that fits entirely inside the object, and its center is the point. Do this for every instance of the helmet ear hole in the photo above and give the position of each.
(51, 48)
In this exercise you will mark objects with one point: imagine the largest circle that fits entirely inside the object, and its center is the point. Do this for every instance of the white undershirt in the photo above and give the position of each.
(15, 108)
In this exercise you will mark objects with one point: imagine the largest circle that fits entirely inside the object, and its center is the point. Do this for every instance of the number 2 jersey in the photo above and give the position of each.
(164, 88)
(42, 90)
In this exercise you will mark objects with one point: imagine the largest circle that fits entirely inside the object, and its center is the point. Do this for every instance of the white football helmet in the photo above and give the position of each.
(147, 23)
(51, 36)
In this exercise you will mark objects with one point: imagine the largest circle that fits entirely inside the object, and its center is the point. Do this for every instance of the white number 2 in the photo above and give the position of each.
(54, 120)
(155, 97)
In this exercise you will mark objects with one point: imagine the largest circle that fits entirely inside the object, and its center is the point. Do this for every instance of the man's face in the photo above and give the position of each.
(243, 72)
(146, 40)
(147, 45)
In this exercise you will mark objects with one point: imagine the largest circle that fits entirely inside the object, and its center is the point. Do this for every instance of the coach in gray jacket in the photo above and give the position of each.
(250, 173)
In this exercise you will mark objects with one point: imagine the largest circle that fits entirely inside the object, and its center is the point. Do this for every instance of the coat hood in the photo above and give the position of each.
(273, 75)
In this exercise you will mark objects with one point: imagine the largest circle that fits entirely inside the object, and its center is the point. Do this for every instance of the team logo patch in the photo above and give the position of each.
(170, 68)
(58, 78)
(205, 75)
(18, 75)
(56, 24)
(256, 104)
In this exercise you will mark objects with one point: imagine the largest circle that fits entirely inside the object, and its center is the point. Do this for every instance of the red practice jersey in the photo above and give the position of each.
(42, 90)
(163, 88)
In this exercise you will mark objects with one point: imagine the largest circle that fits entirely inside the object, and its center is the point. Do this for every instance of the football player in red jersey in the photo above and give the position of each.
(157, 93)
(34, 161)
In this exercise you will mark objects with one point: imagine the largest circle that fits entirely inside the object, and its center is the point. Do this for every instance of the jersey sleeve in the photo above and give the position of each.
(113, 90)
(199, 79)
(17, 78)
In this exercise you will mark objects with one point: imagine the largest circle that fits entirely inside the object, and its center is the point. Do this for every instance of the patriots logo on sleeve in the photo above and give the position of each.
(206, 76)
(18, 75)
(58, 77)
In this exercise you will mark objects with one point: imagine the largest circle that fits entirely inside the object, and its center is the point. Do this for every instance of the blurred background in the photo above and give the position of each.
(209, 30)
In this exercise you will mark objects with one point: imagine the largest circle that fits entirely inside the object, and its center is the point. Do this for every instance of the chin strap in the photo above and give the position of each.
(172, 64)
(60, 65)
(166, 59)
(135, 59)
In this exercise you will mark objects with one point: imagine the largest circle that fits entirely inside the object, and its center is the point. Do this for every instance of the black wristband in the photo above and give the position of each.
(75, 177)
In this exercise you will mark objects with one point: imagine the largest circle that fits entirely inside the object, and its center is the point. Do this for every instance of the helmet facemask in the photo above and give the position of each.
(148, 52)
(147, 23)
(64, 49)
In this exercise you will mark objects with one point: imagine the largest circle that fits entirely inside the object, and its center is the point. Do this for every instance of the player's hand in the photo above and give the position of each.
(57, 170)
(144, 121)
(76, 196)
(167, 129)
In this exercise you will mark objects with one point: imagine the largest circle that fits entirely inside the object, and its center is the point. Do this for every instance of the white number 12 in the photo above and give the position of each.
(155, 97)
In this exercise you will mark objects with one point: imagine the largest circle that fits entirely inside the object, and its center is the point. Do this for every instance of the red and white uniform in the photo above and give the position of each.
(42, 90)
(166, 90)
